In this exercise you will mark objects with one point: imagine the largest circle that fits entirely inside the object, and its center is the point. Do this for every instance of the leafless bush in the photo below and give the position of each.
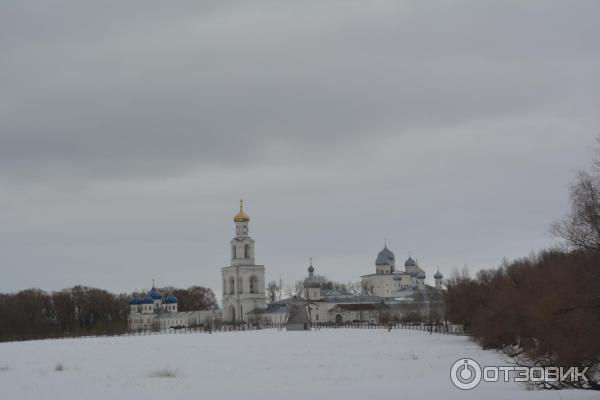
(541, 310)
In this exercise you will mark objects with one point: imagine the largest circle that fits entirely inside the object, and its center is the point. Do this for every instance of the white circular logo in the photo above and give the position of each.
(465, 373)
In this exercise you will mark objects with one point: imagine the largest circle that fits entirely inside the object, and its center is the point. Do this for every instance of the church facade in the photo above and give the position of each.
(243, 280)
(387, 281)
(157, 312)
(386, 294)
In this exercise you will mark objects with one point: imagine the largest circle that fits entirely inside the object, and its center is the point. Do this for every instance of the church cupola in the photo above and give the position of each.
(241, 216)
(312, 286)
(241, 220)
(385, 261)
(412, 266)
(242, 245)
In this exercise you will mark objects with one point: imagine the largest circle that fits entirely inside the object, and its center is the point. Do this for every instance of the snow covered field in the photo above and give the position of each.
(326, 364)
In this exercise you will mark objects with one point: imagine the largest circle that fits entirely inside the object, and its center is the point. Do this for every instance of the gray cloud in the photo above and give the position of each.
(128, 131)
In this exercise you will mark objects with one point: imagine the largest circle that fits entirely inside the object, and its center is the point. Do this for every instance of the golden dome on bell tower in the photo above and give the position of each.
(241, 216)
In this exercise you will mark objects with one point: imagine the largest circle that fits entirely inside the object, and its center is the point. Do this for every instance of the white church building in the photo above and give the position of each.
(388, 293)
(157, 312)
(243, 279)
(389, 282)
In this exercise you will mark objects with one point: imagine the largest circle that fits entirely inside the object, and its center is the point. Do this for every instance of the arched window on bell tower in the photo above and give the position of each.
(231, 285)
(247, 251)
(233, 255)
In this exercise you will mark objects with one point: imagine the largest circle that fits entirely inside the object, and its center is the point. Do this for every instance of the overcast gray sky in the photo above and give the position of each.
(130, 129)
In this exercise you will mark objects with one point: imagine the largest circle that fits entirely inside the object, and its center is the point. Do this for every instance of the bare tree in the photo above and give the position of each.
(354, 288)
(294, 290)
(193, 298)
(298, 289)
(366, 288)
(581, 227)
(273, 291)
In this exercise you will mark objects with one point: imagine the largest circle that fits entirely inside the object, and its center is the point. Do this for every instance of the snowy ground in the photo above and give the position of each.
(326, 364)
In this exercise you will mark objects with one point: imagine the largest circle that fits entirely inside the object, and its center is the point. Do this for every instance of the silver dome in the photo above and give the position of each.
(385, 257)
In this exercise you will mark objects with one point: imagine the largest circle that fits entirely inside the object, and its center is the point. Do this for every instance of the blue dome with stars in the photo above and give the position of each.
(154, 293)
(147, 300)
(170, 300)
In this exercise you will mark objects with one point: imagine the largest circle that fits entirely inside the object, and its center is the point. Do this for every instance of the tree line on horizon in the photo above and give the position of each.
(80, 311)
(544, 309)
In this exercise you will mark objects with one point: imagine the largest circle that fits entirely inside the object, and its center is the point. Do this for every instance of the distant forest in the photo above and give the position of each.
(80, 311)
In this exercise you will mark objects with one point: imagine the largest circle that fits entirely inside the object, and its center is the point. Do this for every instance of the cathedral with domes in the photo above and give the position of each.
(387, 281)
(157, 312)
(396, 293)
(388, 293)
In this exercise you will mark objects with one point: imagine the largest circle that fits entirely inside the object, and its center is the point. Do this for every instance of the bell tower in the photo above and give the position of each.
(242, 245)
(243, 280)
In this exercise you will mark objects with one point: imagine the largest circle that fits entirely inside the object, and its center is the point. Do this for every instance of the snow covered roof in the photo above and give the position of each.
(356, 299)
(181, 314)
(279, 307)
(357, 307)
